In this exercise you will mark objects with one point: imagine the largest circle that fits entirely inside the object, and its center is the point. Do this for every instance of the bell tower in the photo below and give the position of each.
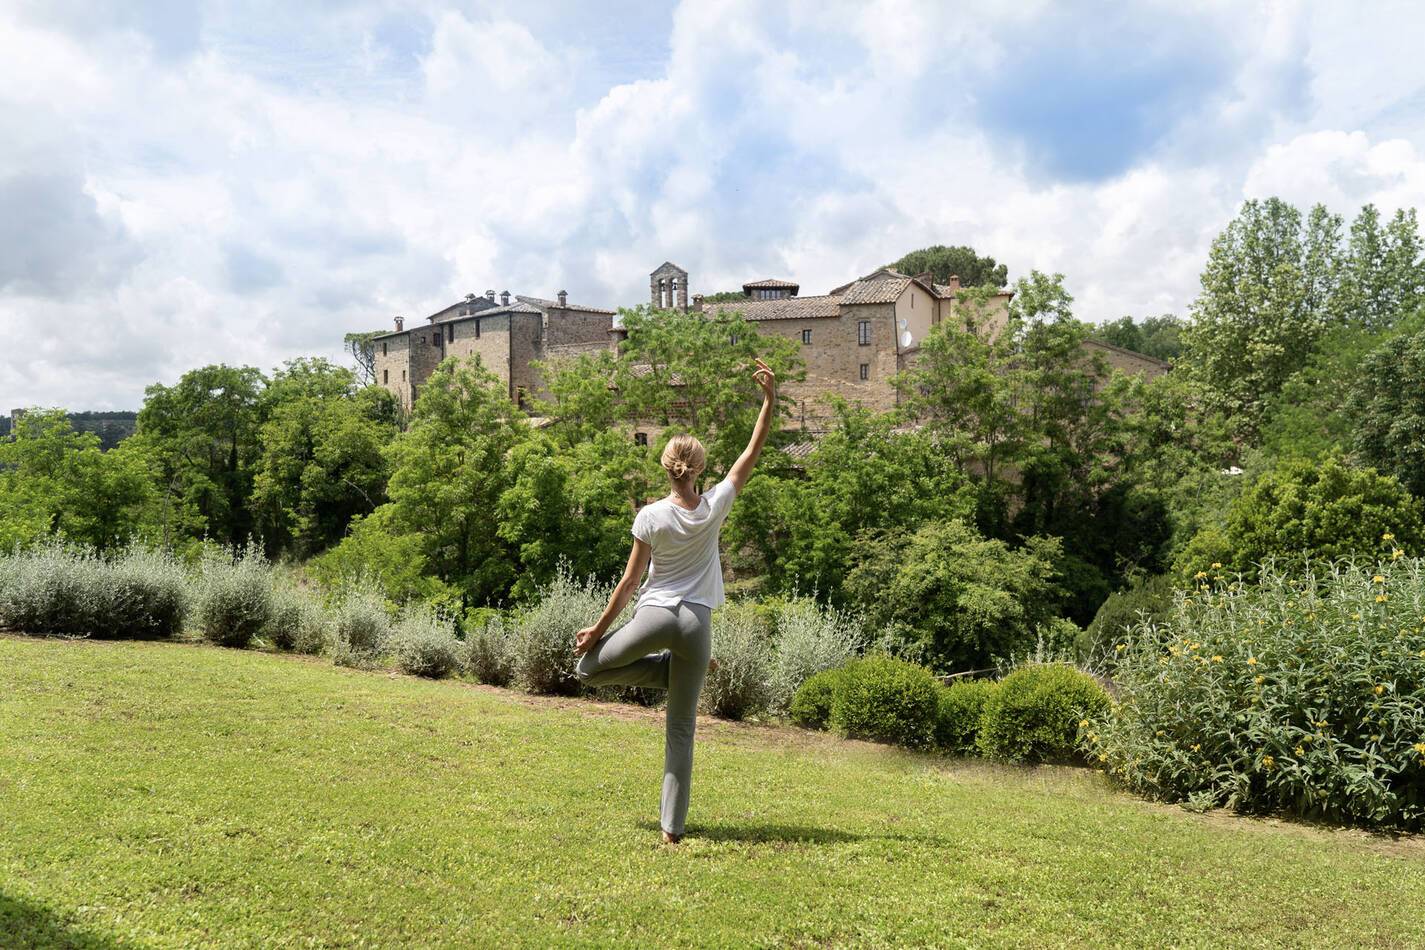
(668, 287)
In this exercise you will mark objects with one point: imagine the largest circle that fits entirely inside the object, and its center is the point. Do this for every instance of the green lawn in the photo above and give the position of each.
(158, 794)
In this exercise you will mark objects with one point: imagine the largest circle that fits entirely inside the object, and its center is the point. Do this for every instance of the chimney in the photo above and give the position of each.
(400, 324)
(490, 296)
(563, 298)
(697, 303)
(504, 298)
(954, 282)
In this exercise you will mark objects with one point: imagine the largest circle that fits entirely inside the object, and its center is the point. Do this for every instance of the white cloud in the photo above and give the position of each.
(237, 195)
(1342, 170)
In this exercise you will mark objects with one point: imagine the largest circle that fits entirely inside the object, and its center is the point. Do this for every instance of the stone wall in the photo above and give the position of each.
(833, 361)
(487, 338)
(393, 367)
(1127, 361)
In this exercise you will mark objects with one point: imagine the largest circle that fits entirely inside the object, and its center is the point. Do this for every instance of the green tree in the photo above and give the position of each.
(1318, 509)
(958, 599)
(573, 506)
(580, 400)
(448, 472)
(202, 437)
(1385, 411)
(55, 481)
(1383, 271)
(321, 461)
(1263, 306)
(1158, 337)
(943, 262)
(800, 531)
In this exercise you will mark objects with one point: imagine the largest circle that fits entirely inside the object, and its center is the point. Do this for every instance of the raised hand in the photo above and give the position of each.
(766, 379)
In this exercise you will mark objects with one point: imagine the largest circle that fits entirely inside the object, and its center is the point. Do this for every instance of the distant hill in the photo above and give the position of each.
(111, 427)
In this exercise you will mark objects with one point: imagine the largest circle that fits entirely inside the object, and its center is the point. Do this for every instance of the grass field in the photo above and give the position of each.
(156, 794)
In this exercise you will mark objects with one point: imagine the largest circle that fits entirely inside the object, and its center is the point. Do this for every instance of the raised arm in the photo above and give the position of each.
(742, 469)
(585, 639)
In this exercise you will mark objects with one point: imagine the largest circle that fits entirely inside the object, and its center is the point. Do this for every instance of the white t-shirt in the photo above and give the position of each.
(685, 563)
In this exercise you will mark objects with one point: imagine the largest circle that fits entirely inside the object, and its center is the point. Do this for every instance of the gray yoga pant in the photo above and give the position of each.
(663, 648)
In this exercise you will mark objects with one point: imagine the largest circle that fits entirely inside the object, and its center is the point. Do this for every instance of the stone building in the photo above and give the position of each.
(509, 334)
(853, 339)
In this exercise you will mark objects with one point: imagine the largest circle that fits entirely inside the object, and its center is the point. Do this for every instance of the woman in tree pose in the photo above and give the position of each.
(668, 643)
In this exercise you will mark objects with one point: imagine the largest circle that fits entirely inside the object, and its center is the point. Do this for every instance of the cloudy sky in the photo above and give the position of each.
(187, 183)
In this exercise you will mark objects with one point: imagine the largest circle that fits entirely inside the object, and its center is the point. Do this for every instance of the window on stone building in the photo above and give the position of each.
(806, 337)
(450, 333)
(403, 376)
(640, 438)
(863, 333)
(477, 328)
(385, 376)
(384, 351)
(865, 371)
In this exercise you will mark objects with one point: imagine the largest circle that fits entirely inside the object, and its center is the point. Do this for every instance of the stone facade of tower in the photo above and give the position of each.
(668, 288)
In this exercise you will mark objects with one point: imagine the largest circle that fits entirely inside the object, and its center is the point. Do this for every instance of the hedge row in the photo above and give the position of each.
(1034, 714)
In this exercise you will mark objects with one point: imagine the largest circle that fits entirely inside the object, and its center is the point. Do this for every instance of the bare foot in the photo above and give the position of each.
(670, 838)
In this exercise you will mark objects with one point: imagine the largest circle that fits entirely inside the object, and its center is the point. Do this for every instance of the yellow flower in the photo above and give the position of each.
(1381, 598)
(1300, 750)
(1199, 575)
(1355, 616)
(1268, 762)
(1378, 579)
(1216, 565)
(1197, 745)
(1380, 688)
(1419, 747)
(1083, 723)
(1121, 647)
(1251, 661)
(1397, 554)
(1258, 680)
(1161, 733)
(1321, 724)
(1217, 658)
(1387, 537)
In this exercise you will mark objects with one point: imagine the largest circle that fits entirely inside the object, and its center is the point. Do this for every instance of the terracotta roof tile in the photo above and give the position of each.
(881, 287)
(787, 308)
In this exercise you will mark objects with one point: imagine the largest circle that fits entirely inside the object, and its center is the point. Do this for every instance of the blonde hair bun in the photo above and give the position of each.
(683, 456)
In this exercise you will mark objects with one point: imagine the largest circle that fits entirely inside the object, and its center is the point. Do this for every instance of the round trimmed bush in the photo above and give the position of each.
(811, 706)
(1035, 714)
(886, 700)
(422, 644)
(740, 685)
(235, 597)
(957, 722)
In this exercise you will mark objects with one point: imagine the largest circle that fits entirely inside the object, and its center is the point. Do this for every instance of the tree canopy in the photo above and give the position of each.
(943, 262)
